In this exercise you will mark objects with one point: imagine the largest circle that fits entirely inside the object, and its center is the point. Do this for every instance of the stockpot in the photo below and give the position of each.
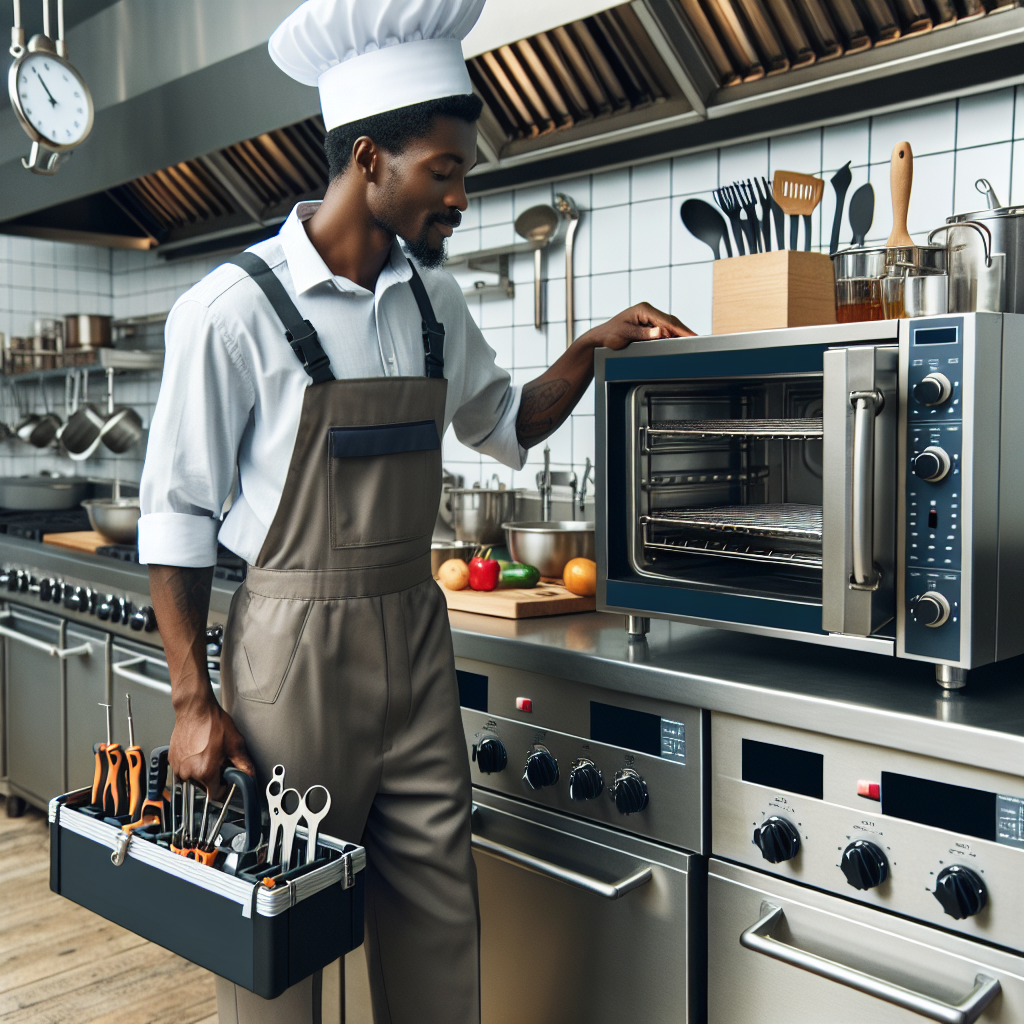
(977, 274)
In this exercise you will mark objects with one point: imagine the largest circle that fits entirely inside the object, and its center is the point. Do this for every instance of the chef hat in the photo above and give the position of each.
(369, 56)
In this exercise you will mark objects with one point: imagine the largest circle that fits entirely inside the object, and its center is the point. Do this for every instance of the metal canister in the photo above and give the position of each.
(1006, 224)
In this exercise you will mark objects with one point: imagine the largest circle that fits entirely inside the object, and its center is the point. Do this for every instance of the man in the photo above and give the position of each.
(337, 658)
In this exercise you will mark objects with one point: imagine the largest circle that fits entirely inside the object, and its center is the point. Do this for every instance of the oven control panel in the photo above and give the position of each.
(934, 488)
(932, 840)
(628, 762)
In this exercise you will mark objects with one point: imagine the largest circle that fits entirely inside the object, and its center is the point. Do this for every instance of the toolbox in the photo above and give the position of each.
(263, 938)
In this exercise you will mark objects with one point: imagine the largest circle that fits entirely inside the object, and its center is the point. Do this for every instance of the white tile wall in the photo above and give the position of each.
(630, 247)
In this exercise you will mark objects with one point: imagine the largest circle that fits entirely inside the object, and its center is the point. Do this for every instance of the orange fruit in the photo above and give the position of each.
(580, 576)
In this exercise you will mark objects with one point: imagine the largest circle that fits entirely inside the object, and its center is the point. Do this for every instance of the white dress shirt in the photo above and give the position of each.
(232, 389)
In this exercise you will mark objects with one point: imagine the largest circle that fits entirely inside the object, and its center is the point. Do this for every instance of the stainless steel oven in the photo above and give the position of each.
(860, 485)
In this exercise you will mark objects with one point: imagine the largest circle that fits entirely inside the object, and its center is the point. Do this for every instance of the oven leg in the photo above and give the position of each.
(950, 678)
(637, 626)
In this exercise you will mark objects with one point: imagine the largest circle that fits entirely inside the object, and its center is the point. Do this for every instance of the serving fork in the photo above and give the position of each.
(729, 204)
(745, 194)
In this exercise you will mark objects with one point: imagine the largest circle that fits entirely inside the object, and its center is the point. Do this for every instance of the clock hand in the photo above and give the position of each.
(53, 102)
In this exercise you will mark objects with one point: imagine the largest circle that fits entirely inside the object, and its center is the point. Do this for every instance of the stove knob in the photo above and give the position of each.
(24, 581)
(490, 755)
(585, 782)
(960, 891)
(541, 769)
(777, 839)
(57, 591)
(629, 791)
(143, 619)
(933, 389)
(932, 464)
(75, 599)
(864, 865)
(116, 605)
(930, 609)
(12, 580)
(105, 607)
(46, 589)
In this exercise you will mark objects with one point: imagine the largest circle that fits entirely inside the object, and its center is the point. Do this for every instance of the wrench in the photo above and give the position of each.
(288, 824)
(275, 790)
(313, 819)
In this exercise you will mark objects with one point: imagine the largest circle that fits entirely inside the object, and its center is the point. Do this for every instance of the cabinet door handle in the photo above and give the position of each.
(609, 890)
(53, 650)
(125, 669)
(760, 939)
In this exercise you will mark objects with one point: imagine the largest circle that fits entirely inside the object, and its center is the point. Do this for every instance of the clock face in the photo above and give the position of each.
(53, 99)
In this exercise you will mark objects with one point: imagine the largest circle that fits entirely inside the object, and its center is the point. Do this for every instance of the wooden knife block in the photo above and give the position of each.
(766, 290)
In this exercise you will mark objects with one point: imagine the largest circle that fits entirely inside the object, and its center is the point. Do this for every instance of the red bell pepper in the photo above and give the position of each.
(484, 572)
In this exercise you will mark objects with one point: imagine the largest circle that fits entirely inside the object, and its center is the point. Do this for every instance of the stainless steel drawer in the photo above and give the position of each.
(818, 958)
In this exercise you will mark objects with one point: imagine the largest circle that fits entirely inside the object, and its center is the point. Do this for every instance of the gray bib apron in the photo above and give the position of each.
(338, 664)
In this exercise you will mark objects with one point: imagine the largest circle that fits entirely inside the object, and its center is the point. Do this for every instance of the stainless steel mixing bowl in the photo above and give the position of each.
(478, 513)
(442, 550)
(548, 546)
(116, 518)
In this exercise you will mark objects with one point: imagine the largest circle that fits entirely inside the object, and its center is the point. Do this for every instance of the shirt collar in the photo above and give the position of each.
(308, 269)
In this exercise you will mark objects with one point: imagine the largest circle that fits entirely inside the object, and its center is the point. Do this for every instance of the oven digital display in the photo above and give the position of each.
(638, 730)
(936, 335)
(971, 812)
(796, 771)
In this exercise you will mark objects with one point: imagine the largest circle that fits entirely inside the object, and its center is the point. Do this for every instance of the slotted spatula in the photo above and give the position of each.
(798, 195)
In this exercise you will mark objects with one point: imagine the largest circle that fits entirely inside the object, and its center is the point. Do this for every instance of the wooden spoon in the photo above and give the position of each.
(901, 178)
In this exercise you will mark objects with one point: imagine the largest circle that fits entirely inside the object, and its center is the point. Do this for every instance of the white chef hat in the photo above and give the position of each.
(370, 56)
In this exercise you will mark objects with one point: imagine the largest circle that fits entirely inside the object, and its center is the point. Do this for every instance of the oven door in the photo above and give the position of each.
(579, 923)
(781, 953)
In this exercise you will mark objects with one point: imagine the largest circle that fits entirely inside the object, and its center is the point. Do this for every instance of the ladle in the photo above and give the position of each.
(569, 211)
(537, 225)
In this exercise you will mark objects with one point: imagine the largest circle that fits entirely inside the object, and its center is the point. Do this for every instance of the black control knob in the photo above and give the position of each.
(76, 599)
(960, 891)
(12, 580)
(777, 839)
(931, 465)
(490, 755)
(864, 865)
(629, 791)
(143, 619)
(46, 589)
(933, 389)
(57, 591)
(541, 769)
(930, 609)
(585, 782)
(105, 607)
(24, 582)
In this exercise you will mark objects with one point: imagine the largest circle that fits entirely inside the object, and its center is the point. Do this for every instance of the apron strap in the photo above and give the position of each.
(301, 334)
(433, 332)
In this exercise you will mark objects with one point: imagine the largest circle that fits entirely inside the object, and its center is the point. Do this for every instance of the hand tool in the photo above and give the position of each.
(99, 772)
(154, 807)
(798, 195)
(275, 790)
(181, 840)
(289, 822)
(901, 179)
(745, 193)
(703, 221)
(765, 197)
(251, 806)
(862, 213)
(210, 842)
(136, 759)
(780, 218)
(313, 819)
(115, 789)
(731, 208)
(840, 182)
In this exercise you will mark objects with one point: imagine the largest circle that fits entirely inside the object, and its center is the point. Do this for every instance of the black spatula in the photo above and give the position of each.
(840, 182)
(703, 221)
(862, 212)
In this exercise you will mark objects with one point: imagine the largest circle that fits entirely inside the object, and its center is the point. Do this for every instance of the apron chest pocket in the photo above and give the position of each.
(384, 483)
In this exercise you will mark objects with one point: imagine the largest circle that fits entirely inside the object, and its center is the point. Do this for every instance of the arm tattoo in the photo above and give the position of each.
(537, 416)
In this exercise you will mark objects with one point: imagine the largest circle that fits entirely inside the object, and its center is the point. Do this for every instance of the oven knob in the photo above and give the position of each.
(777, 839)
(585, 782)
(933, 389)
(541, 769)
(930, 609)
(932, 464)
(490, 755)
(76, 599)
(629, 791)
(105, 607)
(46, 589)
(24, 581)
(143, 619)
(960, 891)
(864, 865)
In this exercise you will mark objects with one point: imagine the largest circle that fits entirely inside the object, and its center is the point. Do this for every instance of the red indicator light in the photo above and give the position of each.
(524, 704)
(871, 790)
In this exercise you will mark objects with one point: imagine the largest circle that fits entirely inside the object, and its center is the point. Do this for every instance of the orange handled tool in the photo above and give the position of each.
(115, 786)
(99, 772)
(136, 764)
(154, 807)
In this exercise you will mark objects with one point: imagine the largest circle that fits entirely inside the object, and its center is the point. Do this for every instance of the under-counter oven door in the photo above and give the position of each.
(582, 924)
(781, 953)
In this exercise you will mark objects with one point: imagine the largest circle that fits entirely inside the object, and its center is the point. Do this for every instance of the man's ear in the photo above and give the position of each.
(366, 157)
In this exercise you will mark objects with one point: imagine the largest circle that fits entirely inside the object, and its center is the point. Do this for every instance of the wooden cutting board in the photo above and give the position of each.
(79, 540)
(544, 599)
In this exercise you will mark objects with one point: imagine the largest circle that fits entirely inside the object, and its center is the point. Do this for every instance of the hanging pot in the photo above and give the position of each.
(123, 428)
(80, 435)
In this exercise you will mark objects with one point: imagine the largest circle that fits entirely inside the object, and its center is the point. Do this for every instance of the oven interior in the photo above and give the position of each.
(727, 485)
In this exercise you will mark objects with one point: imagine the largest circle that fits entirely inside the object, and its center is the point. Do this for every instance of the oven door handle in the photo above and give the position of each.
(609, 890)
(51, 649)
(760, 939)
(866, 406)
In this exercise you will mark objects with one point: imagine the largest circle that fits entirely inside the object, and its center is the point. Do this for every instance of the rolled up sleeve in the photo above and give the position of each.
(205, 401)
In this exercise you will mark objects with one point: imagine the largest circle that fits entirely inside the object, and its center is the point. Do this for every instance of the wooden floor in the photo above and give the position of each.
(60, 964)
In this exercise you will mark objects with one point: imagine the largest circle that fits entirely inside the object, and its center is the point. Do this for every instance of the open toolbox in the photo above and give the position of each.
(234, 918)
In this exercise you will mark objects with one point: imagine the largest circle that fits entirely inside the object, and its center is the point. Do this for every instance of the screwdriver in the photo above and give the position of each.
(154, 810)
(205, 852)
(136, 759)
(99, 772)
(115, 794)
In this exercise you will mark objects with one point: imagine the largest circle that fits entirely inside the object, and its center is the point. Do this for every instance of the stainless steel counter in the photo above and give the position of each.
(865, 697)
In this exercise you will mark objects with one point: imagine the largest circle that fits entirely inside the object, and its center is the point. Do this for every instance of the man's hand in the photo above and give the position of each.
(204, 741)
(641, 322)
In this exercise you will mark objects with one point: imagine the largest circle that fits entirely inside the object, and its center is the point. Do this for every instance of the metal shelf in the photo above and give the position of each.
(703, 478)
(784, 521)
(794, 429)
(721, 549)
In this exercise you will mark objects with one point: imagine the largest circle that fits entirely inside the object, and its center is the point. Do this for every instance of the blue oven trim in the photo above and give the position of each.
(699, 604)
(750, 362)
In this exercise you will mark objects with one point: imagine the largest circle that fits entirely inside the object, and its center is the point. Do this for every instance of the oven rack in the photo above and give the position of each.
(675, 481)
(673, 432)
(722, 549)
(784, 521)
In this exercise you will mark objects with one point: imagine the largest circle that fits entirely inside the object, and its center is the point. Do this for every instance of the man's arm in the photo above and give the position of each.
(205, 738)
(547, 401)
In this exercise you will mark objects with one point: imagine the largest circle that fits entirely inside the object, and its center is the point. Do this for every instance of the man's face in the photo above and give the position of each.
(422, 190)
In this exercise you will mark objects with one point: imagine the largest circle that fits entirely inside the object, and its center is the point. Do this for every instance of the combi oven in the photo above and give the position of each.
(859, 485)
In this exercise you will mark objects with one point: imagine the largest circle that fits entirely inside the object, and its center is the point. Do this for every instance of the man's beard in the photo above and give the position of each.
(419, 248)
